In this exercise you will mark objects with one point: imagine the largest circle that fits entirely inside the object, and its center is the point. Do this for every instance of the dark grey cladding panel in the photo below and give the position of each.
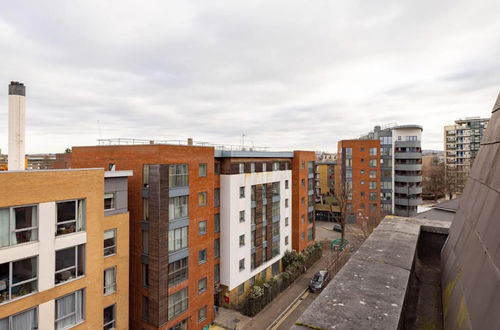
(471, 256)
(178, 255)
(118, 186)
(16, 88)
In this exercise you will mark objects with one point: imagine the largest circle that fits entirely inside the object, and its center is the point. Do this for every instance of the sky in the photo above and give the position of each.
(288, 74)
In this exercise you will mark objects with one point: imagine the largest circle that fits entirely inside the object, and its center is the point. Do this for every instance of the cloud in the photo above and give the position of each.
(288, 74)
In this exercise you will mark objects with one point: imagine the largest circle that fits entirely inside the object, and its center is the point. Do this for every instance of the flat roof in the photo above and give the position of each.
(408, 127)
(118, 174)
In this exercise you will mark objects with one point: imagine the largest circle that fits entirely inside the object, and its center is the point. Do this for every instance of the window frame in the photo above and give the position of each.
(183, 239)
(10, 279)
(113, 321)
(12, 225)
(242, 192)
(182, 302)
(110, 286)
(241, 264)
(113, 200)
(10, 318)
(79, 223)
(202, 198)
(202, 256)
(81, 248)
(203, 289)
(111, 247)
(202, 170)
(82, 305)
(178, 271)
(202, 318)
(200, 227)
(241, 240)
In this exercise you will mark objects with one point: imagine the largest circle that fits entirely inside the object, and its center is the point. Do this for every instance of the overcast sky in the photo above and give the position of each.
(288, 74)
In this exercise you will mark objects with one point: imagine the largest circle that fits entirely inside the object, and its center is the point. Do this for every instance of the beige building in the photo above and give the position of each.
(64, 240)
(461, 144)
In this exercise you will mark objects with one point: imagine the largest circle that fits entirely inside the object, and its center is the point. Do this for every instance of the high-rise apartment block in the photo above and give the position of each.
(64, 249)
(401, 168)
(205, 224)
(358, 179)
(461, 144)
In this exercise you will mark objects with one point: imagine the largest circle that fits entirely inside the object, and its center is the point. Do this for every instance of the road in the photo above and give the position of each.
(295, 311)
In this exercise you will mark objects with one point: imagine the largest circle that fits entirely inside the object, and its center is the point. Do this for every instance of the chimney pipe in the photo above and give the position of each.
(17, 116)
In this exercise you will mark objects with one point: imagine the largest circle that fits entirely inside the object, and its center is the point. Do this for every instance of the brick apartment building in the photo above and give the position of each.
(358, 167)
(63, 252)
(205, 223)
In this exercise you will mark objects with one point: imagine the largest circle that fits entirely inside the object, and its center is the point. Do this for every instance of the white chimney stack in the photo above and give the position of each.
(17, 116)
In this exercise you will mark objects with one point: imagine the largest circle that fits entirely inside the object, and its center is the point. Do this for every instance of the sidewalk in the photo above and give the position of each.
(271, 312)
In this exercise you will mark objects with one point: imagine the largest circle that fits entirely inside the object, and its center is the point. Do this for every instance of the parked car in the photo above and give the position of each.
(319, 281)
(337, 227)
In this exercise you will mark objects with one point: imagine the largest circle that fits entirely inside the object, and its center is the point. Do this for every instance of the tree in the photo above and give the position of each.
(434, 180)
(68, 150)
(338, 202)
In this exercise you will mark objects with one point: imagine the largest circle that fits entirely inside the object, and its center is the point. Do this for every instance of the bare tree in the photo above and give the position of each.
(337, 203)
(434, 181)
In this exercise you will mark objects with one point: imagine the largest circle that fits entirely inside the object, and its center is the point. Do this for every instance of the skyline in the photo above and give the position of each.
(288, 75)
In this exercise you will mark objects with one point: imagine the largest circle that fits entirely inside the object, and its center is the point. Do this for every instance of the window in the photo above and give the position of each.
(217, 248)
(310, 217)
(70, 263)
(373, 196)
(109, 317)
(252, 238)
(252, 193)
(217, 169)
(202, 170)
(373, 174)
(109, 280)
(241, 289)
(242, 216)
(302, 236)
(177, 239)
(242, 264)
(275, 190)
(264, 167)
(177, 271)
(242, 240)
(310, 234)
(348, 162)
(109, 242)
(242, 168)
(216, 197)
(202, 256)
(276, 209)
(70, 310)
(70, 216)
(286, 166)
(177, 207)
(286, 202)
(303, 201)
(216, 273)
(303, 182)
(286, 184)
(373, 185)
(18, 225)
(177, 303)
(21, 321)
(202, 198)
(348, 173)
(286, 240)
(145, 242)
(264, 233)
(362, 182)
(348, 151)
(275, 248)
(275, 268)
(264, 191)
(264, 213)
(275, 229)
(276, 166)
(302, 165)
(202, 285)
(217, 222)
(242, 192)
(202, 314)
(18, 278)
(145, 275)
(373, 163)
(109, 201)
(286, 222)
(302, 218)
(373, 151)
(177, 176)
(202, 227)
(252, 167)
(252, 215)
(145, 209)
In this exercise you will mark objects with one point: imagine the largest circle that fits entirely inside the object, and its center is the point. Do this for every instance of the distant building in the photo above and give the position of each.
(401, 168)
(461, 144)
(358, 170)
(32, 162)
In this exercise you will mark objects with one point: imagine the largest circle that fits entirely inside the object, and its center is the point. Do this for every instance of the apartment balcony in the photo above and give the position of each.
(408, 201)
(451, 146)
(405, 190)
(408, 144)
(408, 178)
(451, 153)
(408, 155)
(451, 160)
(451, 139)
(408, 167)
(450, 132)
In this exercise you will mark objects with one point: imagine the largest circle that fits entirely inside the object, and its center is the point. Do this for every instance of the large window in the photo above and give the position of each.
(178, 176)
(373, 185)
(276, 229)
(275, 189)
(177, 239)
(373, 174)
(70, 263)
(183, 325)
(70, 310)
(27, 320)
(70, 216)
(373, 151)
(276, 209)
(178, 207)
(276, 248)
(276, 166)
(202, 170)
(373, 163)
(109, 317)
(177, 271)
(109, 280)
(18, 225)
(109, 242)
(18, 278)
(177, 303)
